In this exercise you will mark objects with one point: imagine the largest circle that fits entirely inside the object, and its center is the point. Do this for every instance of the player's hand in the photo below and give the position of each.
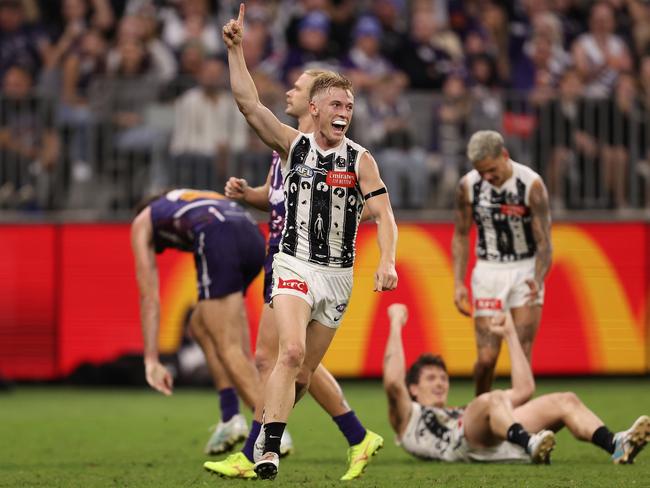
(236, 188)
(385, 277)
(502, 325)
(461, 300)
(159, 377)
(398, 314)
(535, 291)
(233, 31)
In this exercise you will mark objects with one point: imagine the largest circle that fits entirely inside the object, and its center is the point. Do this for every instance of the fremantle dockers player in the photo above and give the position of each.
(509, 204)
(327, 181)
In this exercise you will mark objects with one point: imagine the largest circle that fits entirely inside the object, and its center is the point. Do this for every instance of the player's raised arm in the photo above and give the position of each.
(521, 374)
(399, 400)
(147, 277)
(541, 224)
(376, 196)
(274, 133)
(460, 248)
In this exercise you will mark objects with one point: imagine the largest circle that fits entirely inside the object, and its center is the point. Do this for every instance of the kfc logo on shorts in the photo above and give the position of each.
(488, 304)
(297, 285)
(346, 179)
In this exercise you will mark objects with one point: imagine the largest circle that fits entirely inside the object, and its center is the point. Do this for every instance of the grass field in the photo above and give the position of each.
(64, 437)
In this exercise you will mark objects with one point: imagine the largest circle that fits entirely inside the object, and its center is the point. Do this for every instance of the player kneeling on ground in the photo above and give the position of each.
(502, 425)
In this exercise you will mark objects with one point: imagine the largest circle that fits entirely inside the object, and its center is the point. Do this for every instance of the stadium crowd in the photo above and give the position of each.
(105, 100)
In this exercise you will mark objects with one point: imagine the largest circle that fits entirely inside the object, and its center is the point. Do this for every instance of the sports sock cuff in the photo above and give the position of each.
(351, 427)
(518, 435)
(603, 437)
(249, 445)
(272, 436)
(229, 403)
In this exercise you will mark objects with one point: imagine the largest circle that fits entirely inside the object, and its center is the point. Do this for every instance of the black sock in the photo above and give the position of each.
(272, 436)
(604, 438)
(517, 435)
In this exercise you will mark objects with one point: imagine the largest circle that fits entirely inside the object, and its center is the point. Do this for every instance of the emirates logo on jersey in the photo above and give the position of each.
(516, 210)
(487, 304)
(346, 179)
(297, 285)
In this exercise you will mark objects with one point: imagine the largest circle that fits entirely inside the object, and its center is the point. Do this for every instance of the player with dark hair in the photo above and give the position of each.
(501, 425)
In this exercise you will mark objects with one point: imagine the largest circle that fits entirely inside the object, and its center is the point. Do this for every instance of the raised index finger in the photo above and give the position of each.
(242, 11)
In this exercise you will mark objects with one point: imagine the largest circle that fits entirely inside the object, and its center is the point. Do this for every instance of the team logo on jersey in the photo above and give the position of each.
(346, 179)
(297, 285)
(304, 171)
(340, 162)
(488, 304)
(516, 210)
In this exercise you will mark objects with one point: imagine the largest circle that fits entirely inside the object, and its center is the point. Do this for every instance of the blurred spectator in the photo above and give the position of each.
(189, 70)
(295, 12)
(77, 17)
(426, 62)
(343, 17)
(565, 137)
(450, 125)
(122, 99)
(29, 144)
(392, 17)
(623, 139)
(209, 132)
(312, 47)
(81, 67)
(364, 62)
(639, 11)
(600, 55)
(192, 21)
(382, 125)
(20, 44)
(259, 46)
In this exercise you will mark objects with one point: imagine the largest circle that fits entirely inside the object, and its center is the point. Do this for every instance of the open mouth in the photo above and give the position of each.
(339, 126)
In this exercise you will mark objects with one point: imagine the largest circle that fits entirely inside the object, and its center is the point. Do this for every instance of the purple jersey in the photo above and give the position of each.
(276, 199)
(179, 215)
(227, 244)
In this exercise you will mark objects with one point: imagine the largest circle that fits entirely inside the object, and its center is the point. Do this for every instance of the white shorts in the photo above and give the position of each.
(326, 290)
(498, 287)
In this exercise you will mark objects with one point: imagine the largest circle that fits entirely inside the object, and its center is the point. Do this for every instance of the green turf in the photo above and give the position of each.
(63, 437)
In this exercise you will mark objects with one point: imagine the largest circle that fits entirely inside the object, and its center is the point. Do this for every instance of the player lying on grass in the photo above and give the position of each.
(502, 425)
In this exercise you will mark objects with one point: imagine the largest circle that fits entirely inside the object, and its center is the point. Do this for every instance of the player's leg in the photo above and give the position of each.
(526, 314)
(557, 410)
(490, 286)
(232, 427)
(489, 419)
(292, 315)
(225, 318)
(488, 346)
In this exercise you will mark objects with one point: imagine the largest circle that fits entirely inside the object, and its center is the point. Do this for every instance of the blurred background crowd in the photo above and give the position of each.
(103, 101)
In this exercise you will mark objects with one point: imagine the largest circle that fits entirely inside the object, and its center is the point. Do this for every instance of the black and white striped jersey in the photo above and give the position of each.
(502, 215)
(323, 202)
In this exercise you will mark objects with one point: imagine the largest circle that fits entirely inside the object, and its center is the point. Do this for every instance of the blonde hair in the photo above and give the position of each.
(327, 80)
(484, 144)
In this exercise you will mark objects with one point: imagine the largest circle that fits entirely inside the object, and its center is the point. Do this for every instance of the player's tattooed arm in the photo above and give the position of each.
(541, 224)
(399, 400)
(460, 247)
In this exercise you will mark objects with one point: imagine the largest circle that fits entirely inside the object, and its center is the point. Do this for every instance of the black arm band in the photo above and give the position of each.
(375, 193)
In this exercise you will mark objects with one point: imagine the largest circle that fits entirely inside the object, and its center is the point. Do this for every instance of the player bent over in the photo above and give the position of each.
(228, 253)
(323, 387)
(502, 425)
